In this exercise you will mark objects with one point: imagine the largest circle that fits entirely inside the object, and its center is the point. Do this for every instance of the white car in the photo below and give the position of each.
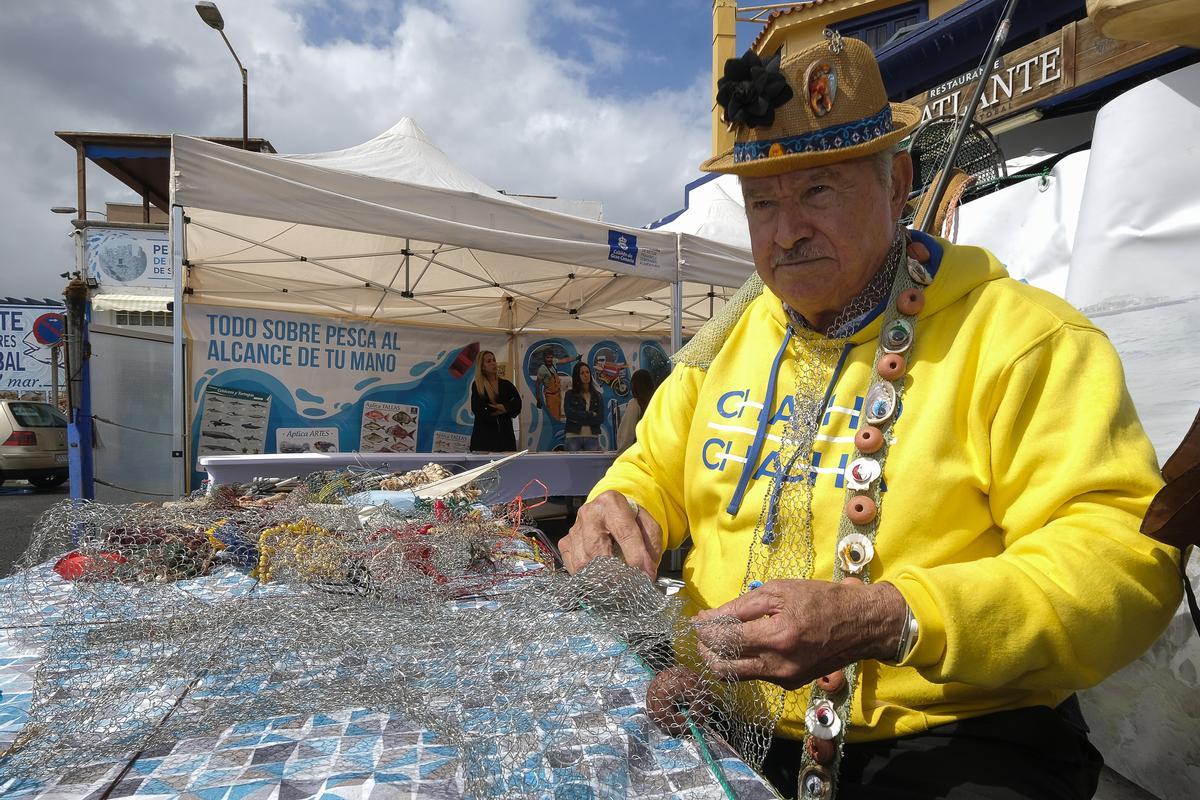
(33, 443)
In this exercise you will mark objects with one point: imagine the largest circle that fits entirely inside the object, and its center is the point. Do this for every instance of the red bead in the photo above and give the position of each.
(820, 750)
(868, 439)
(910, 302)
(832, 683)
(891, 367)
(861, 509)
(918, 251)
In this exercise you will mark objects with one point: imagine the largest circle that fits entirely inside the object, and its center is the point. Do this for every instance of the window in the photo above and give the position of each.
(37, 415)
(878, 29)
(156, 319)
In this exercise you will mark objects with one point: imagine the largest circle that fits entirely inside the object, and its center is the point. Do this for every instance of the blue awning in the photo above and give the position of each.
(98, 151)
(956, 41)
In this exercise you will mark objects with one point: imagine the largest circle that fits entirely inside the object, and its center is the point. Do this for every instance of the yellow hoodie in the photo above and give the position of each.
(1015, 487)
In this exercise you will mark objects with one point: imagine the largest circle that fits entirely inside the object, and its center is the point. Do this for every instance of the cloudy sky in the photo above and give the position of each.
(588, 99)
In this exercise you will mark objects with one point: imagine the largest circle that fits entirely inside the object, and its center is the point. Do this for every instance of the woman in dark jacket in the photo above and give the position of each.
(495, 403)
(584, 411)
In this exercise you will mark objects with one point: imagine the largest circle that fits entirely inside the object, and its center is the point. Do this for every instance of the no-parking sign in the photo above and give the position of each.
(48, 328)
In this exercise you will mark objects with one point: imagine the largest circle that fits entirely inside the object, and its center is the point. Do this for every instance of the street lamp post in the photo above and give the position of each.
(74, 210)
(211, 15)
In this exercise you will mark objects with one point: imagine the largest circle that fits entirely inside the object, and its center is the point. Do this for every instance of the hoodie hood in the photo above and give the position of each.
(972, 266)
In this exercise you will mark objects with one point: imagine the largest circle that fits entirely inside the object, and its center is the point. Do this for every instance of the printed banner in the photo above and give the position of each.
(306, 440)
(233, 421)
(275, 382)
(120, 258)
(545, 374)
(27, 333)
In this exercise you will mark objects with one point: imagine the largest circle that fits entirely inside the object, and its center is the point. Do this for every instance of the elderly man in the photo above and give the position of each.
(917, 482)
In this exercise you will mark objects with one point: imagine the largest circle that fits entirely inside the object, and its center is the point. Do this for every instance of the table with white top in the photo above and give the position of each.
(564, 474)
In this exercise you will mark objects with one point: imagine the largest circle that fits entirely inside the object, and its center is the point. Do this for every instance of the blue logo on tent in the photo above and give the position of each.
(622, 247)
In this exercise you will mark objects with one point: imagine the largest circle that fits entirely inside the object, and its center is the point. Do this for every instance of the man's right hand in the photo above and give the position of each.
(608, 526)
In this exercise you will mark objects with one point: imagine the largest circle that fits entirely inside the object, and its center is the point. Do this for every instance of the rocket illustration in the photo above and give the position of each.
(464, 360)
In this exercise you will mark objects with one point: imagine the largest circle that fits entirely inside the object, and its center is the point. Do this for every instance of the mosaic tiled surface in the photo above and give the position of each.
(360, 754)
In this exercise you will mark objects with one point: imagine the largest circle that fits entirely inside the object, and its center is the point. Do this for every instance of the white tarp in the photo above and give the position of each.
(714, 210)
(1030, 226)
(391, 230)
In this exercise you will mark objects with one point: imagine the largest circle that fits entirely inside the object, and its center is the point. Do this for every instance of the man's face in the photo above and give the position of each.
(548, 358)
(818, 235)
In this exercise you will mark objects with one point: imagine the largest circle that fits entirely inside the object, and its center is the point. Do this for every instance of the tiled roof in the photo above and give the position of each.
(774, 15)
(29, 301)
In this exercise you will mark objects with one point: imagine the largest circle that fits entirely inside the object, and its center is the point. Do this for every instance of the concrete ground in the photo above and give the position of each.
(1114, 787)
(20, 507)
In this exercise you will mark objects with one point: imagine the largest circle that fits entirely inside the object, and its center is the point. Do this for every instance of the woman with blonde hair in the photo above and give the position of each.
(494, 402)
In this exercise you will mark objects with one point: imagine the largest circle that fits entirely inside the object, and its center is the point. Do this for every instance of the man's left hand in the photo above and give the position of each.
(794, 631)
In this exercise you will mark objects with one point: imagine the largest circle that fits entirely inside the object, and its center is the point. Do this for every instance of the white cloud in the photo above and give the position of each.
(478, 77)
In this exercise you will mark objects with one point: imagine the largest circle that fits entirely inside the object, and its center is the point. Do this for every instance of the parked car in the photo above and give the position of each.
(33, 443)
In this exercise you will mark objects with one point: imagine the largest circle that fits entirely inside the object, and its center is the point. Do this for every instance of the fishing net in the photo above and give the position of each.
(278, 598)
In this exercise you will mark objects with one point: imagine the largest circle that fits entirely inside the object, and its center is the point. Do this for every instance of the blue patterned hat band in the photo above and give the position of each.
(833, 138)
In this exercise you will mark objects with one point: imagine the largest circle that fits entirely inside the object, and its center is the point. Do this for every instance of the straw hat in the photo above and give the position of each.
(821, 105)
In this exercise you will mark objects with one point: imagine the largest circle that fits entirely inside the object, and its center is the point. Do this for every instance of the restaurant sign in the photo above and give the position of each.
(1073, 56)
(1019, 79)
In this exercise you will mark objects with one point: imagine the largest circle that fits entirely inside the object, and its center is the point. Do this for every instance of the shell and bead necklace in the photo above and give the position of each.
(828, 715)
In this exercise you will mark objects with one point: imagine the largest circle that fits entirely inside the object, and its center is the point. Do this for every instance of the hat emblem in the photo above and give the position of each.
(820, 80)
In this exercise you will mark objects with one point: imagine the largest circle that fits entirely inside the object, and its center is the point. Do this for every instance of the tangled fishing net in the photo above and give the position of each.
(283, 598)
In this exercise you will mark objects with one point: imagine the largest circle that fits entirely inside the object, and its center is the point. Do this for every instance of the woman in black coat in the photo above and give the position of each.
(584, 411)
(494, 402)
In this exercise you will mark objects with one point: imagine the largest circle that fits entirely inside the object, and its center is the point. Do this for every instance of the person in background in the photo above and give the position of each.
(585, 411)
(549, 392)
(642, 384)
(495, 403)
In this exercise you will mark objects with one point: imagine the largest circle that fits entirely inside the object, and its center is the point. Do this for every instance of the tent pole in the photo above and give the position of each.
(512, 376)
(676, 316)
(179, 384)
(407, 255)
(677, 299)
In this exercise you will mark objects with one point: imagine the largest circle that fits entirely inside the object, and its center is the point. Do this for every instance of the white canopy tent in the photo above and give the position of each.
(392, 230)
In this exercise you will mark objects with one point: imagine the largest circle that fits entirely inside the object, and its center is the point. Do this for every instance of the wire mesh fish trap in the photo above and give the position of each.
(164, 623)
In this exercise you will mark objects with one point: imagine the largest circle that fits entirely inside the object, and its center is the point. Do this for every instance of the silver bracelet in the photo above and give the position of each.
(908, 636)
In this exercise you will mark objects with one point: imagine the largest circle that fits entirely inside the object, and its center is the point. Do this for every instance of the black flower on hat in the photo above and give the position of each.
(750, 90)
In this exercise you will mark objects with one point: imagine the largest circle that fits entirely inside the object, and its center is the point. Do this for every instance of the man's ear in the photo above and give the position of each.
(902, 178)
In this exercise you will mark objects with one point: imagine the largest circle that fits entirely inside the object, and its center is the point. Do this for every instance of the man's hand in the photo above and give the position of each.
(607, 526)
(793, 632)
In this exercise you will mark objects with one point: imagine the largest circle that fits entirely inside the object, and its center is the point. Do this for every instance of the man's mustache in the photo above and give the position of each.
(799, 252)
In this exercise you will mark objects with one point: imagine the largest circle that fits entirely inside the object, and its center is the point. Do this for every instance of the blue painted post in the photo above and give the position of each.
(79, 392)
